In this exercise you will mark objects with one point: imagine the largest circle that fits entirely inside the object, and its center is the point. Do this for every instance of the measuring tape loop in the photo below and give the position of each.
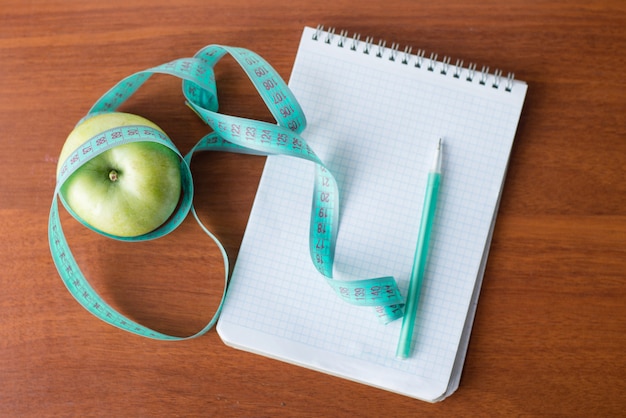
(232, 134)
(119, 136)
(82, 291)
(277, 96)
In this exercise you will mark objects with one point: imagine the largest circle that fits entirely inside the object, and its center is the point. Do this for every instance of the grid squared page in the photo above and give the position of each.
(375, 123)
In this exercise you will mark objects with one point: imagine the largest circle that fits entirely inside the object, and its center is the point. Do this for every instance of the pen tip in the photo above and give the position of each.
(440, 142)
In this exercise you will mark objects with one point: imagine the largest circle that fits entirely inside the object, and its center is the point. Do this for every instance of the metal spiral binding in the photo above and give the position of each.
(458, 68)
(407, 54)
(368, 44)
(471, 70)
(381, 48)
(417, 60)
(446, 63)
(432, 63)
(355, 41)
(329, 35)
(497, 75)
(393, 52)
(342, 38)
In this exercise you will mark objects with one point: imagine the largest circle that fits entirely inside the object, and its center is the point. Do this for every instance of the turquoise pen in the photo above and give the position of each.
(421, 255)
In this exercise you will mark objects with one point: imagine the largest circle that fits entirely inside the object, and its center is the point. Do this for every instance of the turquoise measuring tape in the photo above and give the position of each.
(231, 134)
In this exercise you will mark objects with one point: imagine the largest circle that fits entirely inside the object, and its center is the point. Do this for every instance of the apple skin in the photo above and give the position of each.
(128, 190)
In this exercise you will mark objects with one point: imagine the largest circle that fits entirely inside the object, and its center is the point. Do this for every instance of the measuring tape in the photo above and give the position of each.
(231, 134)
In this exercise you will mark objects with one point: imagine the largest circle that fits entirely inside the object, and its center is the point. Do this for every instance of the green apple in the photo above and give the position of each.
(128, 190)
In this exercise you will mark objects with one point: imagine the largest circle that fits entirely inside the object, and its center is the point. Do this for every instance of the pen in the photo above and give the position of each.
(421, 254)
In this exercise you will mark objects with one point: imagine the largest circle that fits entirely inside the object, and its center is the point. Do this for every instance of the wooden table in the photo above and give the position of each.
(550, 329)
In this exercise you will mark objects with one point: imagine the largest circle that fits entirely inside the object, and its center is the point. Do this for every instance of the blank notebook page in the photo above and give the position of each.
(375, 122)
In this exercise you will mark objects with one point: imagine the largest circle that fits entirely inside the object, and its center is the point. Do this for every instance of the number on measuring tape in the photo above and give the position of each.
(231, 134)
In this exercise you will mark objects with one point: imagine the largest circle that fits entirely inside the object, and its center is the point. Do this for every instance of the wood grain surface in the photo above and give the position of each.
(550, 328)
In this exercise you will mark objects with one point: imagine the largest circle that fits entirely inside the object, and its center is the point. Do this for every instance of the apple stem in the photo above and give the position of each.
(113, 175)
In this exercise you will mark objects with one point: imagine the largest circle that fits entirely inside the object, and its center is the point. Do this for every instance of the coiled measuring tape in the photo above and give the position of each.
(232, 134)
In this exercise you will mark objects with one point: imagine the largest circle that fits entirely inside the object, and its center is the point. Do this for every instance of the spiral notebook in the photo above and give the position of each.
(375, 113)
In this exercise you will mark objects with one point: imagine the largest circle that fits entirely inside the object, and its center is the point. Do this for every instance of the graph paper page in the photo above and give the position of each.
(375, 124)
